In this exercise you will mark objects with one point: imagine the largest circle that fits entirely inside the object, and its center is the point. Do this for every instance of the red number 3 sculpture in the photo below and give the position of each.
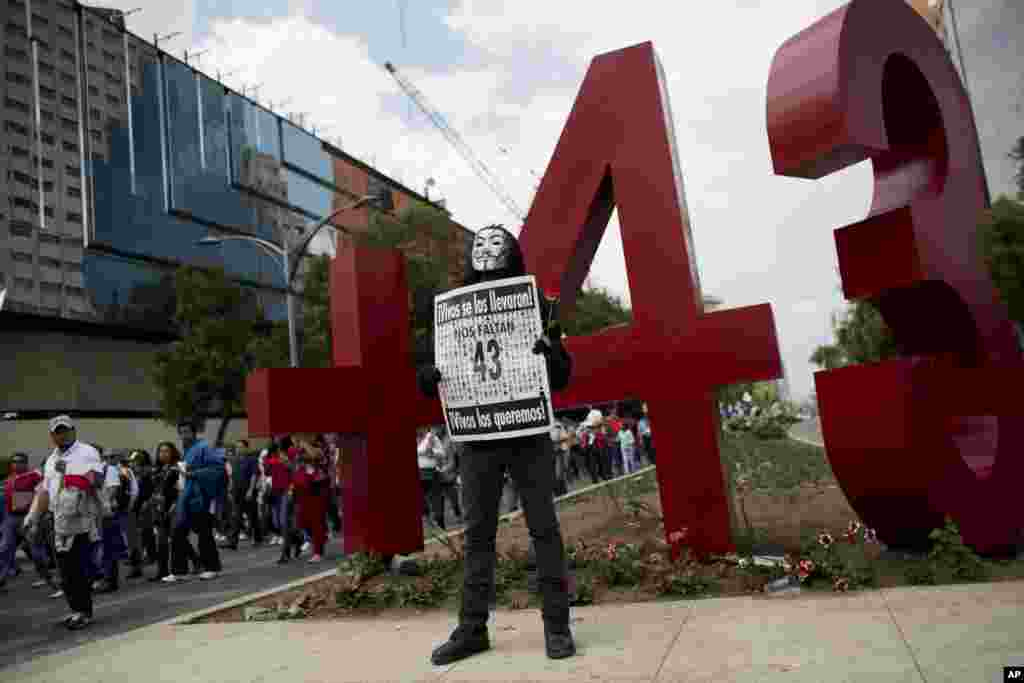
(938, 431)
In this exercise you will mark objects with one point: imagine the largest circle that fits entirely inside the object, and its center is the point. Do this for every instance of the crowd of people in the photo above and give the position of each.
(82, 512)
(598, 448)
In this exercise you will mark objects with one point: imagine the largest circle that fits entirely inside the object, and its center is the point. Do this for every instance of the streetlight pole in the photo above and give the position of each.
(290, 263)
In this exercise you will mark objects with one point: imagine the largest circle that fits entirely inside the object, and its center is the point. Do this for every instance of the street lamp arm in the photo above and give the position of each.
(296, 253)
(269, 246)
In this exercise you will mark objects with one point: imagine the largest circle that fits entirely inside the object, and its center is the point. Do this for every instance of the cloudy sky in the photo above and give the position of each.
(505, 74)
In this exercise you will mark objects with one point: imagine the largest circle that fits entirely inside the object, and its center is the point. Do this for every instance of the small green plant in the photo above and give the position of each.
(362, 566)
(950, 552)
(620, 564)
(842, 567)
(920, 574)
(584, 594)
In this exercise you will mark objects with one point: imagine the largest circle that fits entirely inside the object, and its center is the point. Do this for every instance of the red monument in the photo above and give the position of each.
(910, 440)
(938, 431)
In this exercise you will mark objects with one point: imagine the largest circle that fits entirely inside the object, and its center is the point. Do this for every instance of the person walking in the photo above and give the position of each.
(71, 482)
(144, 552)
(166, 491)
(19, 490)
(495, 254)
(244, 477)
(643, 427)
(627, 447)
(311, 483)
(204, 486)
(113, 546)
(428, 452)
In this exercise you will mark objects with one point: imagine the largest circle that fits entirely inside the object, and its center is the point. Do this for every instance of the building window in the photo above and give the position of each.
(22, 203)
(49, 262)
(12, 127)
(18, 151)
(49, 287)
(97, 157)
(21, 256)
(73, 171)
(20, 79)
(93, 90)
(48, 186)
(21, 228)
(46, 69)
(16, 54)
(48, 210)
(92, 68)
(96, 135)
(110, 36)
(68, 124)
(70, 146)
(67, 78)
(46, 115)
(41, 20)
(22, 284)
(16, 105)
(47, 139)
(75, 192)
(23, 178)
(113, 99)
(65, 31)
(47, 93)
(95, 114)
(73, 217)
(48, 163)
(76, 292)
(113, 78)
(67, 55)
(43, 46)
(15, 29)
(45, 238)
(68, 101)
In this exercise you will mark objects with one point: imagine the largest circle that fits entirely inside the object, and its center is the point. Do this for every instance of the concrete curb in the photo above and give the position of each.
(192, 617)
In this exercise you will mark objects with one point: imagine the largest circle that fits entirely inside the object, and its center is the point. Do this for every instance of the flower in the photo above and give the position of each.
(852, 530)
(804, 569)
(870, 536)
(678, 536)
(841, 584)
(825, 539)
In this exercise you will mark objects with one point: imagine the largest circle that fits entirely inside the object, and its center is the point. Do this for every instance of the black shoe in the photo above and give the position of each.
(465, 641)
(558, 642)
(136, 573)
(156, 578)
(104, 586)
(77, 622)
(283, 559)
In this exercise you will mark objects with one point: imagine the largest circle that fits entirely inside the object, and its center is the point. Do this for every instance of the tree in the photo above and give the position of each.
(861, 337)
(596, 309)
(1001, 235)
(207, 367)
(423, 233)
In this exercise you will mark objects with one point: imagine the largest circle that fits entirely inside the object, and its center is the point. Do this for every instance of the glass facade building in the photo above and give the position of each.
(115, 160)
(120, 158)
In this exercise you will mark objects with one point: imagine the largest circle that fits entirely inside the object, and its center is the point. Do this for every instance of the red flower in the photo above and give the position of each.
(804, 569)
(678, 536)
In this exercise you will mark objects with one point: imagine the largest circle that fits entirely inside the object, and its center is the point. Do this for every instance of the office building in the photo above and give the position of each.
(117, 158)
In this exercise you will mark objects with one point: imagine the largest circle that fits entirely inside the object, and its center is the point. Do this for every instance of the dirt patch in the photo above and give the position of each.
(596, 519)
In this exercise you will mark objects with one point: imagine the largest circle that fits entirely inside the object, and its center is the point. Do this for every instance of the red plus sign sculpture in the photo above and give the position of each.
(618, 150)
(938, 431)
(370, 393)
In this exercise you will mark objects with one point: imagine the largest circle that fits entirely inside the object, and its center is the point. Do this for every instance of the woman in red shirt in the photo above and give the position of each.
(312, 487)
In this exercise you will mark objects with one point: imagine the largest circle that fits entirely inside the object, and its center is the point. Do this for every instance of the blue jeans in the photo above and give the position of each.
(111, 549)
(10, 538)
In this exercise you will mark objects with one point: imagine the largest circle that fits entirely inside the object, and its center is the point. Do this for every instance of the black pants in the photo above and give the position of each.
(433, 499)
(482, 467)
(332, 510)
(592, 460)
(245, 506)
(209, 557)
(76, 574)
(649, 448)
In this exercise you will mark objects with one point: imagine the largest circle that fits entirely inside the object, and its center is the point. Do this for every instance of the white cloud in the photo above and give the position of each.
(759, 238)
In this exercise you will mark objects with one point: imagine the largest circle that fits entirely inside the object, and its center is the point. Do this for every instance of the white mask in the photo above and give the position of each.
(491, 250)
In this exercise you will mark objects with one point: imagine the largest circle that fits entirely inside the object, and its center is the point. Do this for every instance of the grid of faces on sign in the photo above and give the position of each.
(495, 363)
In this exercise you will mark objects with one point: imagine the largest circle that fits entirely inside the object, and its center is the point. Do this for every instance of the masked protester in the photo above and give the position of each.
(495, 254)
(72, 479)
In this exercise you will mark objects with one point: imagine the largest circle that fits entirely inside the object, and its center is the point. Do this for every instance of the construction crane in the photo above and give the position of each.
(456, 141)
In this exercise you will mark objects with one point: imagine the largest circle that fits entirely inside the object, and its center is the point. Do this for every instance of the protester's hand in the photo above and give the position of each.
(29, 526)
(429, 374)
(542, 345)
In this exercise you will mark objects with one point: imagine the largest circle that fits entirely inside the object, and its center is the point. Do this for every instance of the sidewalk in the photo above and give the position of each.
(960, 634)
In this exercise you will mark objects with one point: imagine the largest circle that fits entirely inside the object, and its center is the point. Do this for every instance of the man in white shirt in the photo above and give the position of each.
(73, 474)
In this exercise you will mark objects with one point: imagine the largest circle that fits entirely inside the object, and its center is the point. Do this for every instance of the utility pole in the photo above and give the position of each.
(157, 38)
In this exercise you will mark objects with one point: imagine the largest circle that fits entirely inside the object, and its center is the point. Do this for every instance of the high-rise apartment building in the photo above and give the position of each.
(115, 160)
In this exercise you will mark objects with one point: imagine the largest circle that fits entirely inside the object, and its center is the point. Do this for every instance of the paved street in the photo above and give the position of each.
(29, 619)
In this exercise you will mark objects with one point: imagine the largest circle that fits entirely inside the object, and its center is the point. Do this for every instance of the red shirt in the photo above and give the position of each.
(280, 474)
(19, 491)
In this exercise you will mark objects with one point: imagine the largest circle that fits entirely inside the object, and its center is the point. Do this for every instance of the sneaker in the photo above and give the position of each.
(104, 587)
(243, 537)
(465, 641)
(59, 593)
(305, 547)
(220, 538)
(176, 578)
(558, 642)
(40, 583)
(208, 576)
(78, 622)
(315, 559)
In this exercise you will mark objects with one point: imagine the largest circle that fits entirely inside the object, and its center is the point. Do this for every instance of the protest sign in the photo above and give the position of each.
(492, 384)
